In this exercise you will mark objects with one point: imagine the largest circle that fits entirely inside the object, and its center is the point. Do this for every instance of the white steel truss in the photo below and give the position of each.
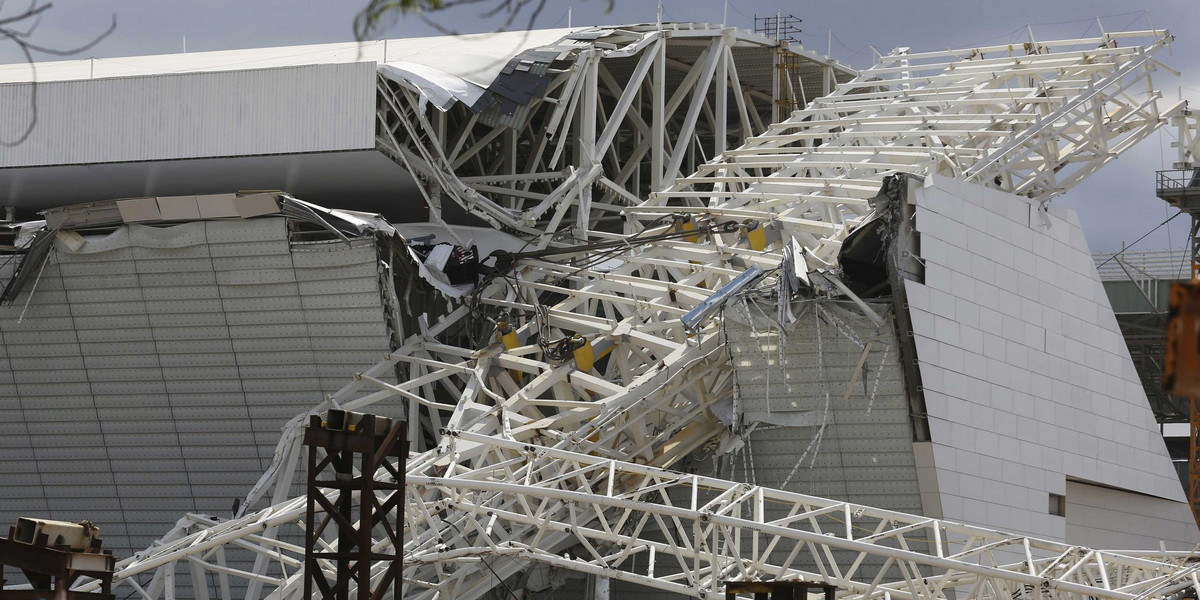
(631, 110)
(1032, 119)
(710, 530)
(550, 405)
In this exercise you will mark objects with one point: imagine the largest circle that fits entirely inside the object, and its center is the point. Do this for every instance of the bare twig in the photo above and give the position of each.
(379, 13)
(31, 18)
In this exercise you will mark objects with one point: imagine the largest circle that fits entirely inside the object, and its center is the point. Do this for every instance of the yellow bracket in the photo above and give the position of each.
(757, 237)
(688, 227)
(585, 356)
(507, 336)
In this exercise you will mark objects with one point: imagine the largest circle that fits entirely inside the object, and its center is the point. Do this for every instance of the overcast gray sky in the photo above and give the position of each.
(1116, 205)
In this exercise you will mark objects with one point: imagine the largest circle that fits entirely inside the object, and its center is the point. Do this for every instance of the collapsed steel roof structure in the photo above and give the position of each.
(621, 109)
(527, 453)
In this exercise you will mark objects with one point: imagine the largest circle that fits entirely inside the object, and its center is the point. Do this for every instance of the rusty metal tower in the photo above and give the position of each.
(1180, 186)
(358, 505)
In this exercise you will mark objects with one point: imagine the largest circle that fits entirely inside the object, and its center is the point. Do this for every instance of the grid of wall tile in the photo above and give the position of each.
(864, 450)
(1099, 517)
(1026, 377)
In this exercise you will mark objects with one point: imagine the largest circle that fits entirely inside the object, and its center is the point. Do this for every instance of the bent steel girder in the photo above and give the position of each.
(709, 530)
(532, 453)
(712, 530)
(622, 114)
(1032, 119)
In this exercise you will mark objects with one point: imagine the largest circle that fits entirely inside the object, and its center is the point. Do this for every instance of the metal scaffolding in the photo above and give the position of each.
(378, 446)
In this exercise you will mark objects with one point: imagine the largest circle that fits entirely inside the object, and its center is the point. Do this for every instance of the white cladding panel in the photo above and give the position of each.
(1103, 517)
(474, 57)
(864, 452)
(1027, 379)
(315, 108)
(859, 449)
(150, 372)
(857, 443)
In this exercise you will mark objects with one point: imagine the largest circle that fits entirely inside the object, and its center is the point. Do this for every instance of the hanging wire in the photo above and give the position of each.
(878, 376)
(814, 445)
(1122, 251)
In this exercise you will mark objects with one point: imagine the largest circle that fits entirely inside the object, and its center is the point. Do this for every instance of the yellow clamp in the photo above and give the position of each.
(756, 235)
(585, 357)
(688, 228)
(506, 335)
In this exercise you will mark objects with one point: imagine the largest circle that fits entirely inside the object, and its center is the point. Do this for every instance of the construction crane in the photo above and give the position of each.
(1180, 186)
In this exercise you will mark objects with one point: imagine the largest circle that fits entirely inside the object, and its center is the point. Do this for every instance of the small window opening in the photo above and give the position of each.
(1058, 505)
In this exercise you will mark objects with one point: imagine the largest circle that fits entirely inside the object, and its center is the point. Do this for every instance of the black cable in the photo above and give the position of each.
(617, 247)
(561, 349)
(1115, 254)
(738, 11)
(485, 563)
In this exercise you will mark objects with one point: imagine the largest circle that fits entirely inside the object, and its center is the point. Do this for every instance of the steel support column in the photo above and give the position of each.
(345, 438)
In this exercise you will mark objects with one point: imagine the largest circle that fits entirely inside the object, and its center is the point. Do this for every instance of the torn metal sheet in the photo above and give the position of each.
(480, 70)
(438, 88)
(347, 221)
(37, 237)
(724, 411)
(452, 270)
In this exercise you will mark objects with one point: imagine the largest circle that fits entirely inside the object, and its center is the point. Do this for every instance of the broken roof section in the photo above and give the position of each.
(563, 135)
(510, 69)
(466, 68)
(190, 136)
(33, 240)
(476, 58)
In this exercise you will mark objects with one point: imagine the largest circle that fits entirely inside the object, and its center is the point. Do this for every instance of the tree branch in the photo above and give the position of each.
(9, 29)
(378, 14)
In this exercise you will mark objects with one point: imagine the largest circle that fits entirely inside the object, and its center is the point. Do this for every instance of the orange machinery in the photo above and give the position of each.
(1181, 367)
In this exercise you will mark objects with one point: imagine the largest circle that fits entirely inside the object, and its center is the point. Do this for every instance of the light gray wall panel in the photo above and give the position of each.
(865, 452)
(314, 108)
(153, 369)
(1026, 377)
(1104, 517)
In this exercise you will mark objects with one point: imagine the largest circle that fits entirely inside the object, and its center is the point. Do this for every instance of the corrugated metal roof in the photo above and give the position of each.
(317, 108)
(444, 52)
(152, 369)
